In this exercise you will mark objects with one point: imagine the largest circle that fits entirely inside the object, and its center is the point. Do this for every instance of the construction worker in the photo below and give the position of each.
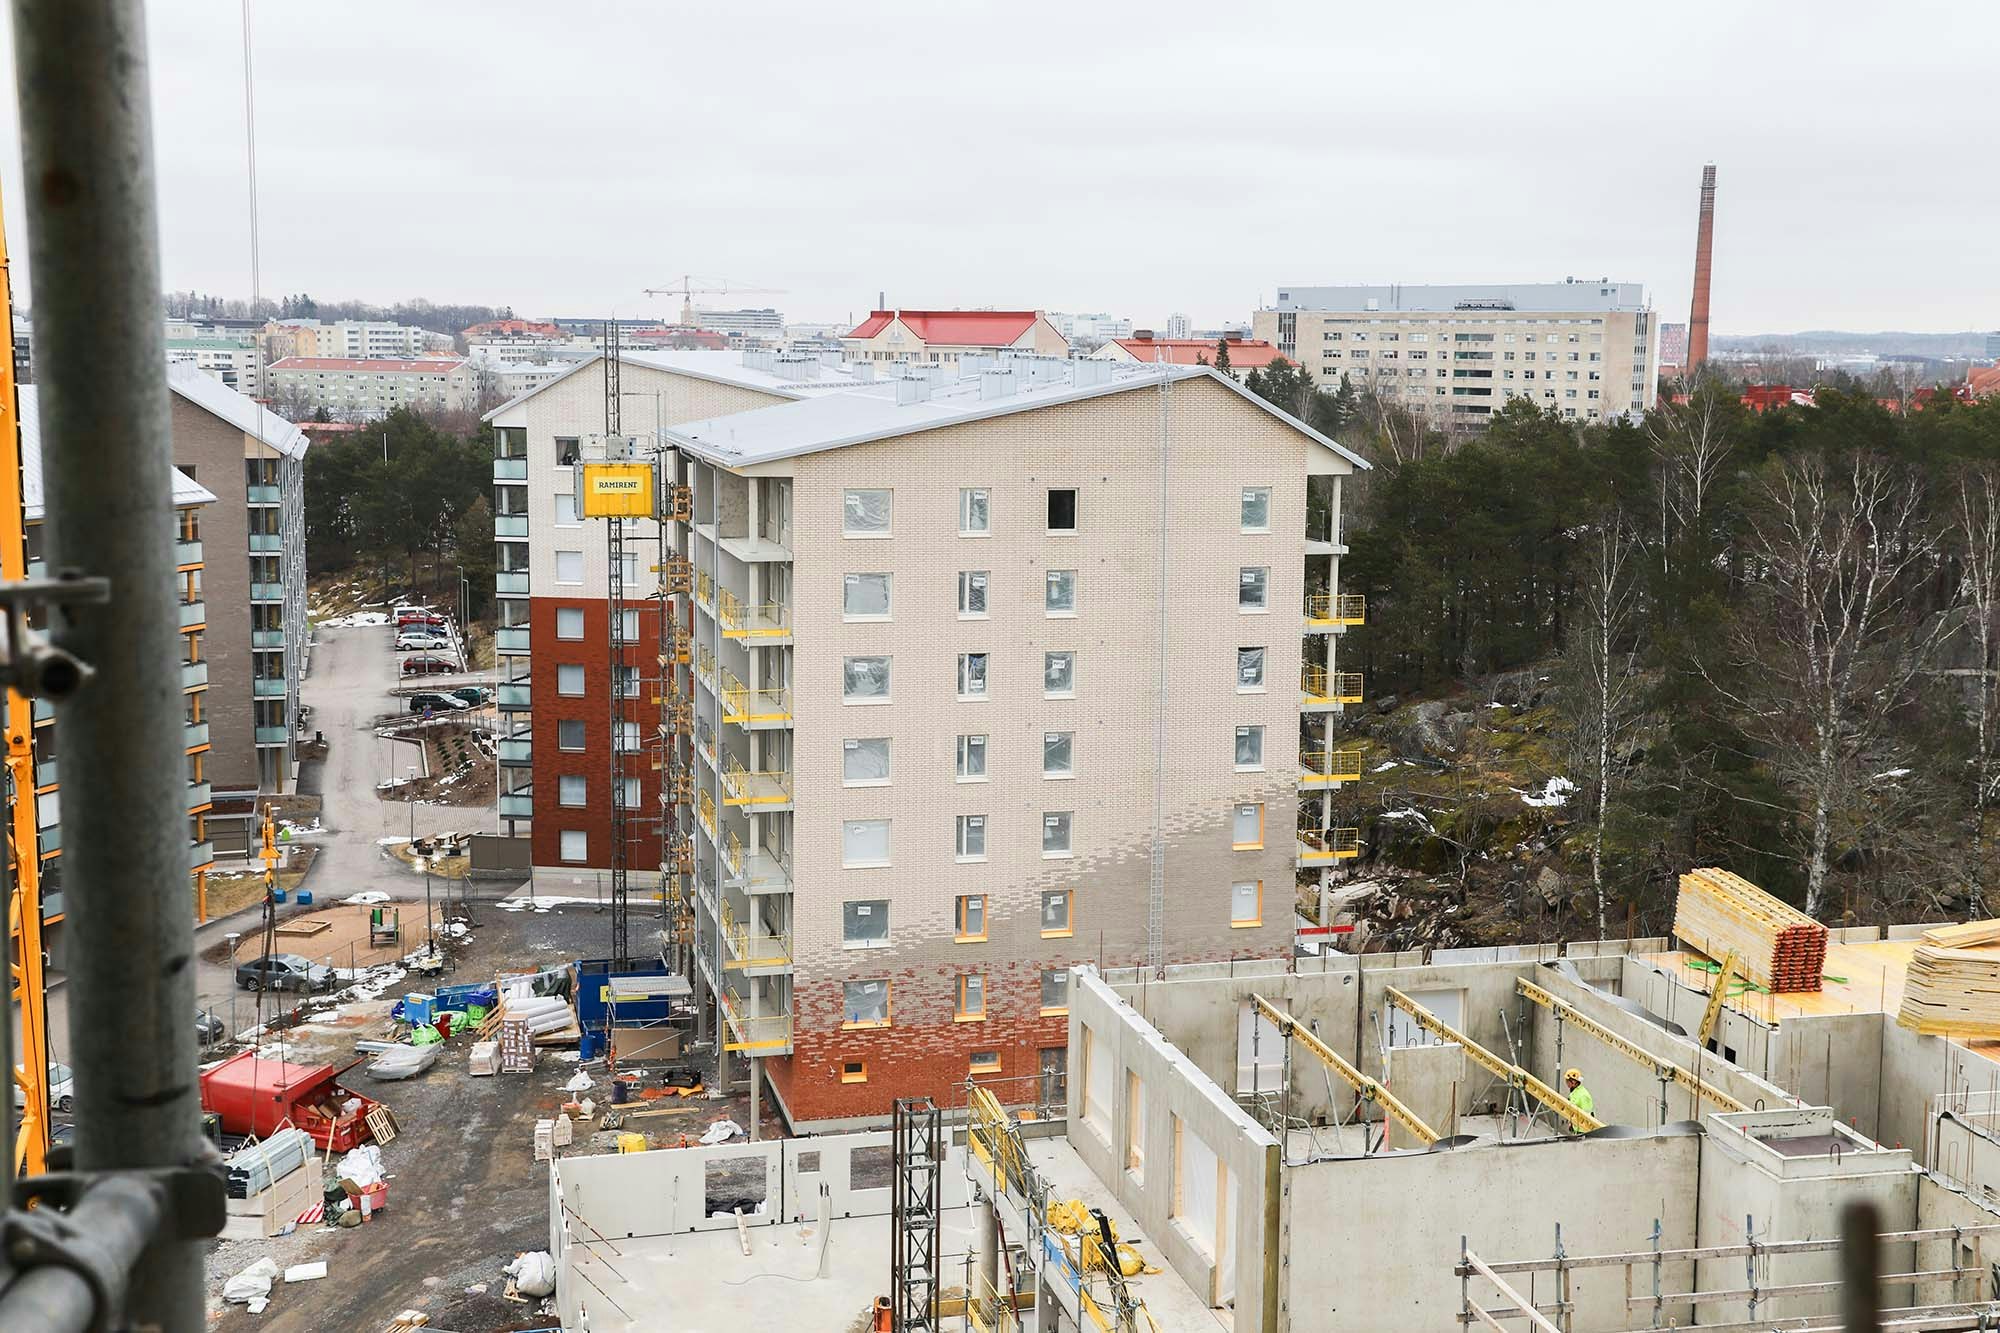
(1579, 1096)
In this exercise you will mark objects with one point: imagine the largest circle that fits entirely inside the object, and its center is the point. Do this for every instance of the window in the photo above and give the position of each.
(1058, 675)
(1055, 833)
(569, 680)
(1055, 990)
(972, 592)
(569, 622)
(1059, 598)
(569, 566)
(866, 1004)
(1058, 754)
(1249, 747)
(566, 511)
(1062, 510)
(628, 632)
(972, 758)
(864, 678)
(1247, 832)
(575, 845)
(567, 451)
(972, 675)
(985, 1062)
(854, 1071)
(1253, 588)
(975, 513)
(625, 682)
(1056, 905)
(628, 738)
(1246, 903)
(865, 763)
(971, 998)
(570, 790)
(864, 842)
(569, 735)
(971, 837)
(1249, 669)
(865, 513)
(1135, 1125)
(969, 917)
(865, 925)
(865, 596)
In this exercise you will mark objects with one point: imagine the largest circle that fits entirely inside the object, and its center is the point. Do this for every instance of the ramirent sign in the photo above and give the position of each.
(617, 490)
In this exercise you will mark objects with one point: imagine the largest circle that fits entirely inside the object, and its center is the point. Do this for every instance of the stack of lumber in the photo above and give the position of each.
(1968, 936)
(1952, 993)
(1777, 946)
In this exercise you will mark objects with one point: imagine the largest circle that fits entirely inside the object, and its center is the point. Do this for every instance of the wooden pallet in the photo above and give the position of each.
(1777, 946)
(381, 1123)
(1967, 936)
(1951, 993)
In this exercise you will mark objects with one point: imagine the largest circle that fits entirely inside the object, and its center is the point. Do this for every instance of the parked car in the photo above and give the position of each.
(473, 695)
(62, 1090)
(407, 642)
(431, 664)
(437, 703)
(418, 618)
(284, 971)
(208, 1029)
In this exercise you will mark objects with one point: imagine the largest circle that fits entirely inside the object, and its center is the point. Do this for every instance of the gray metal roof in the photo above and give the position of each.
(903, 407)
(1575, 294)
(187, 491)
(245, 413)
(745, 369)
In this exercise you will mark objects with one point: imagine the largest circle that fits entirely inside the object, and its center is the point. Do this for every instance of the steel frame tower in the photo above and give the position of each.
(916, 1140)
(674, 697)
(616, 449)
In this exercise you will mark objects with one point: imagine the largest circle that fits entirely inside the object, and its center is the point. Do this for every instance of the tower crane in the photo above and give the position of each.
(687, 291)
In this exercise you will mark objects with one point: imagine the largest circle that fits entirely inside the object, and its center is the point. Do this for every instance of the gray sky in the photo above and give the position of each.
(1141, 159)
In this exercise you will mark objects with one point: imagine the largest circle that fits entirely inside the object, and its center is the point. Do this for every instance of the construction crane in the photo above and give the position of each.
(687, 291)
(1506, 1071)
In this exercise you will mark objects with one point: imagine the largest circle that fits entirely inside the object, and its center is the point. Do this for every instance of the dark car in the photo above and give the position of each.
(472, 694)
(283, 971)
(437, 703)
(208, 1029)
(429, 666)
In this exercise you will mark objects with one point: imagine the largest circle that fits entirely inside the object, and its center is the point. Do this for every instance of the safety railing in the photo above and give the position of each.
(732, 854)
(1329, 687)
(743, 621)
(1326, 609)
(757, 1033)
(744, 706)
(705, 812)
(704, 665)
(1334, 844)
(753, 948)
(704, 586)
(1319, 768)
(740, 786)
(986, 1308)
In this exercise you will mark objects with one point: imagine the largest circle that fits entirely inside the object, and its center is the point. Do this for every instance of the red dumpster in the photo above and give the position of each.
(257, 1096)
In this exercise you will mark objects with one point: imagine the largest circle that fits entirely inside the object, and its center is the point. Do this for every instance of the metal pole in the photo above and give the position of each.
(87, 155)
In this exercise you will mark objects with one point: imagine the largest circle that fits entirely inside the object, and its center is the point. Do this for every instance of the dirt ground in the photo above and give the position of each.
(465, 1193)
(459, 770)
(232, 890)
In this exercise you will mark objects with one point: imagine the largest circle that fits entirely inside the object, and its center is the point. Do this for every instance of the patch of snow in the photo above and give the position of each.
(1891, 774)
(1556, 791)
(542, 902)
(1501, 707)
(1417, 815)
(356, 620)
(365, 899)
(1386, 765)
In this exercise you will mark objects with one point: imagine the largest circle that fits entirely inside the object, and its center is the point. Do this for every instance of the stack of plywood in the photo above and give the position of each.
(1777, 946)
(1952, 992)
(1968, 936)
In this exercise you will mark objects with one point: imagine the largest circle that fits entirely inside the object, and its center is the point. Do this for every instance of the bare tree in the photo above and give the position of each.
(1975, 532)
(1831, 641)
(1692, 441)
(1600, 665)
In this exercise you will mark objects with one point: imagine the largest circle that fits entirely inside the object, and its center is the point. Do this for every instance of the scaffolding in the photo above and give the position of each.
(916, 1138)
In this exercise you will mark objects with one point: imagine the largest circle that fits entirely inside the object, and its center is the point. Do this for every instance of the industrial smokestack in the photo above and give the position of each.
(1704, 241)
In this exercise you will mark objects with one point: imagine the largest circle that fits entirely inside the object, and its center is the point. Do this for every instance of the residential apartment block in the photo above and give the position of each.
(1455, 354)
(191, 502)
(945, 337)
(248, 597)
(235, 359)
(765, 326)
(962, 648)
(361, 389)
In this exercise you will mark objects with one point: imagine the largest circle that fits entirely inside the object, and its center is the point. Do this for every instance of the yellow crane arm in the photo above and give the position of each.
(1369, 1089)
(1662, 1068)
(1713, 1012)
(1578, 1119)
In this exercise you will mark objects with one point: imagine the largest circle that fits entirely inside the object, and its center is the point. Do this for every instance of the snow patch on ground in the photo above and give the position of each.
(542, 902)
(356, 619)
(1417, 815)
(365, 899)
(1556, 791)
(1386, 765)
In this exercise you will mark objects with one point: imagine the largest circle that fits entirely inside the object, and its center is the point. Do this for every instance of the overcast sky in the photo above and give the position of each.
(1138, 159)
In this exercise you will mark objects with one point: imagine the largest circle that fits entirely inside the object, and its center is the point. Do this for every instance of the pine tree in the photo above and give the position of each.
(1222, 354)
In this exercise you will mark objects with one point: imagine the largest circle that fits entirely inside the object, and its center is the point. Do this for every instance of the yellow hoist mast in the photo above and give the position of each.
(24, 886)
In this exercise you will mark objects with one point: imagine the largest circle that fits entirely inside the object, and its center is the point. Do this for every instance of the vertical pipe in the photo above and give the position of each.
(87, 154)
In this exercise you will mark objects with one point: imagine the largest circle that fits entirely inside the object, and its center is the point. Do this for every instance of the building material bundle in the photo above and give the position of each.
(1952, 993)
(1970, 935)
(256, 1168)
(1777, 946)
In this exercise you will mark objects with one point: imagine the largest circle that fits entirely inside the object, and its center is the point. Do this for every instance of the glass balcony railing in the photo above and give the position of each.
(193, 613)
(516, 750)
(201, 854)
(511, 583)
(268, 687)
(267, 592)
(511, 639)
(273, 735)
(267, 638)
(199, 794)
(517, 805)
(196, 734)
(262, 495)
(510, 525)
(514, 696)
(187, 553)
(510, 469)
(193, 675)
(267, 543)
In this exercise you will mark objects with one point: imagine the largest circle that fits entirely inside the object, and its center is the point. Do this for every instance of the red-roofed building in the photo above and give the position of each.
(1982, 381)
(1245, 354)
(941, 337)
(513, 333)
(680, 337)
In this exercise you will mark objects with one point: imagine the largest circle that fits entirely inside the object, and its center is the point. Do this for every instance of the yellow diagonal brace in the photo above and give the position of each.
(1576, 1118)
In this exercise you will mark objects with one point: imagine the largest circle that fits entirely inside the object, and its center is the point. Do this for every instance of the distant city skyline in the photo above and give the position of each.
(1173, 188)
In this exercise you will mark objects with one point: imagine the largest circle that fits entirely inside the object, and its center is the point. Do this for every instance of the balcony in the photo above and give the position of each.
(201, 855)
(1335, 610)
(770, 790)
(267, 592)
(704, 666)
(516, 751)
(757, 872)
(511, 639)
(770, 620)
(267, 736)
(705, 815)
(268, 687)
(513, 526)
(510, 469)
(194, 675)
(1329, 689)
(187, 554)
(195, 735)
(262, 495)
(758, 1034)
(47, 773)
(199, 796)
(267, 543)
(514, 696)
(517, 805)
(265, 640)
(1318, 847)
(752, 708)
(511, 583)
(753, 950)
(1327, 768)
(193, 614)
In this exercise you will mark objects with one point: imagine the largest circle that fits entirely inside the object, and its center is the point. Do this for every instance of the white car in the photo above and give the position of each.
(419, 642)
(62, 1090)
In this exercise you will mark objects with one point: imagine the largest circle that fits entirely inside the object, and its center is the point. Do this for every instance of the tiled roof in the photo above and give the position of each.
(953, 328)
(1244, 353)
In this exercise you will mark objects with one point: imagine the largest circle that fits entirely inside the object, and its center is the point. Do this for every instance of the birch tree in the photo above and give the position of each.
(1975, 535)
(1602, 686)
(1691, 442)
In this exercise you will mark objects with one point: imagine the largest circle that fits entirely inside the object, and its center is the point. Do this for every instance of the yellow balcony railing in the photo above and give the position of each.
(768, 620)
(758, 1032)
(987, 1309)
(743, 705)
(1329, 687)
(1324, 609)
(704, 665)
(704, 586)
(1323, 767)
(706, 813)
(753, 948)
(742, 787)
(1336, 844)
(732, 854)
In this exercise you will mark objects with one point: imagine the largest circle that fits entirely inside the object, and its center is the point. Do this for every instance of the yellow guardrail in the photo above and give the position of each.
(1318, 767)
(707, 813)
(732, 854)
(743, 705)
(1329, 687)
(760, 1032)
(742, 787)
(1336, 608)
(704, 586)
(1338, 844)
(742, 621)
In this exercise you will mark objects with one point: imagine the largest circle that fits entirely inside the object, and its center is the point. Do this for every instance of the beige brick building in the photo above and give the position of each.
(1455, 355)
(968, 655)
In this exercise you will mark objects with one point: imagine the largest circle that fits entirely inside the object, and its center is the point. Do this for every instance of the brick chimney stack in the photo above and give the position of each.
(1704, 240)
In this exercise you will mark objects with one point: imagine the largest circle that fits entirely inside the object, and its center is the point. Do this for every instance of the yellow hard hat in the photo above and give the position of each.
(1576, 1074)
